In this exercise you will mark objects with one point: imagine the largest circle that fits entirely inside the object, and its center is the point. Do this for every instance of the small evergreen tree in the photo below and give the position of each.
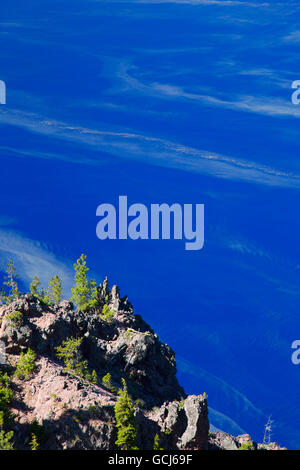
(35, 286)
(94, 378)
(55, 289)
(106, 380)
(11, 282)
(5, 438)
(124, 414)
(34, 445)
(84, 294)
(25, 365)
(15, 319)
(70, 353)
(38, 292)
(82, 370)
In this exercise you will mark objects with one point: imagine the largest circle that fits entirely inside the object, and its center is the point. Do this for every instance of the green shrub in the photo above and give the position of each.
(181, 404)
(5, 438)
(15, 319)
(25, 365)
(70, 353)
(106, 381)
(107, 315)
(82, 370)
(130, 332)
(246, 446)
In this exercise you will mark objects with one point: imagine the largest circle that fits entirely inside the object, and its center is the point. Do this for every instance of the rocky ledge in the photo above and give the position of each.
(68, 411)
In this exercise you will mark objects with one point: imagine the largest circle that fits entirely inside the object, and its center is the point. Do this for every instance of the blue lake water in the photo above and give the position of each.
(184, 101)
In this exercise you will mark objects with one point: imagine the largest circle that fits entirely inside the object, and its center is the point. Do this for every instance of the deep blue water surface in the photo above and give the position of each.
(183, 101)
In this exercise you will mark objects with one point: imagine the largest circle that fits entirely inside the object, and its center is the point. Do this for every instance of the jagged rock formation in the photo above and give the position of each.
(77, 414)
(224, 441)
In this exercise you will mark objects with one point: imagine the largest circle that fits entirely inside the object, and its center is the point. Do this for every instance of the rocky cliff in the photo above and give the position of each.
(67, 411)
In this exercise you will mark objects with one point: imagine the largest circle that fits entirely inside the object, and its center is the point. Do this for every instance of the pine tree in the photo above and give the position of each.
(70, 353)
(55, 289)
(35, 286)
(106, 380)
(11, 282)
(124, 414)
(25, 365)
(84, 294)
(38, 292)
(94, 377)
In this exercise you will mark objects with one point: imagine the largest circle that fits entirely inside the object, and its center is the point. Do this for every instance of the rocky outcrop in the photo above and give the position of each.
(195, 434)
(124, 346)
(74, 413)
(224, 441)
